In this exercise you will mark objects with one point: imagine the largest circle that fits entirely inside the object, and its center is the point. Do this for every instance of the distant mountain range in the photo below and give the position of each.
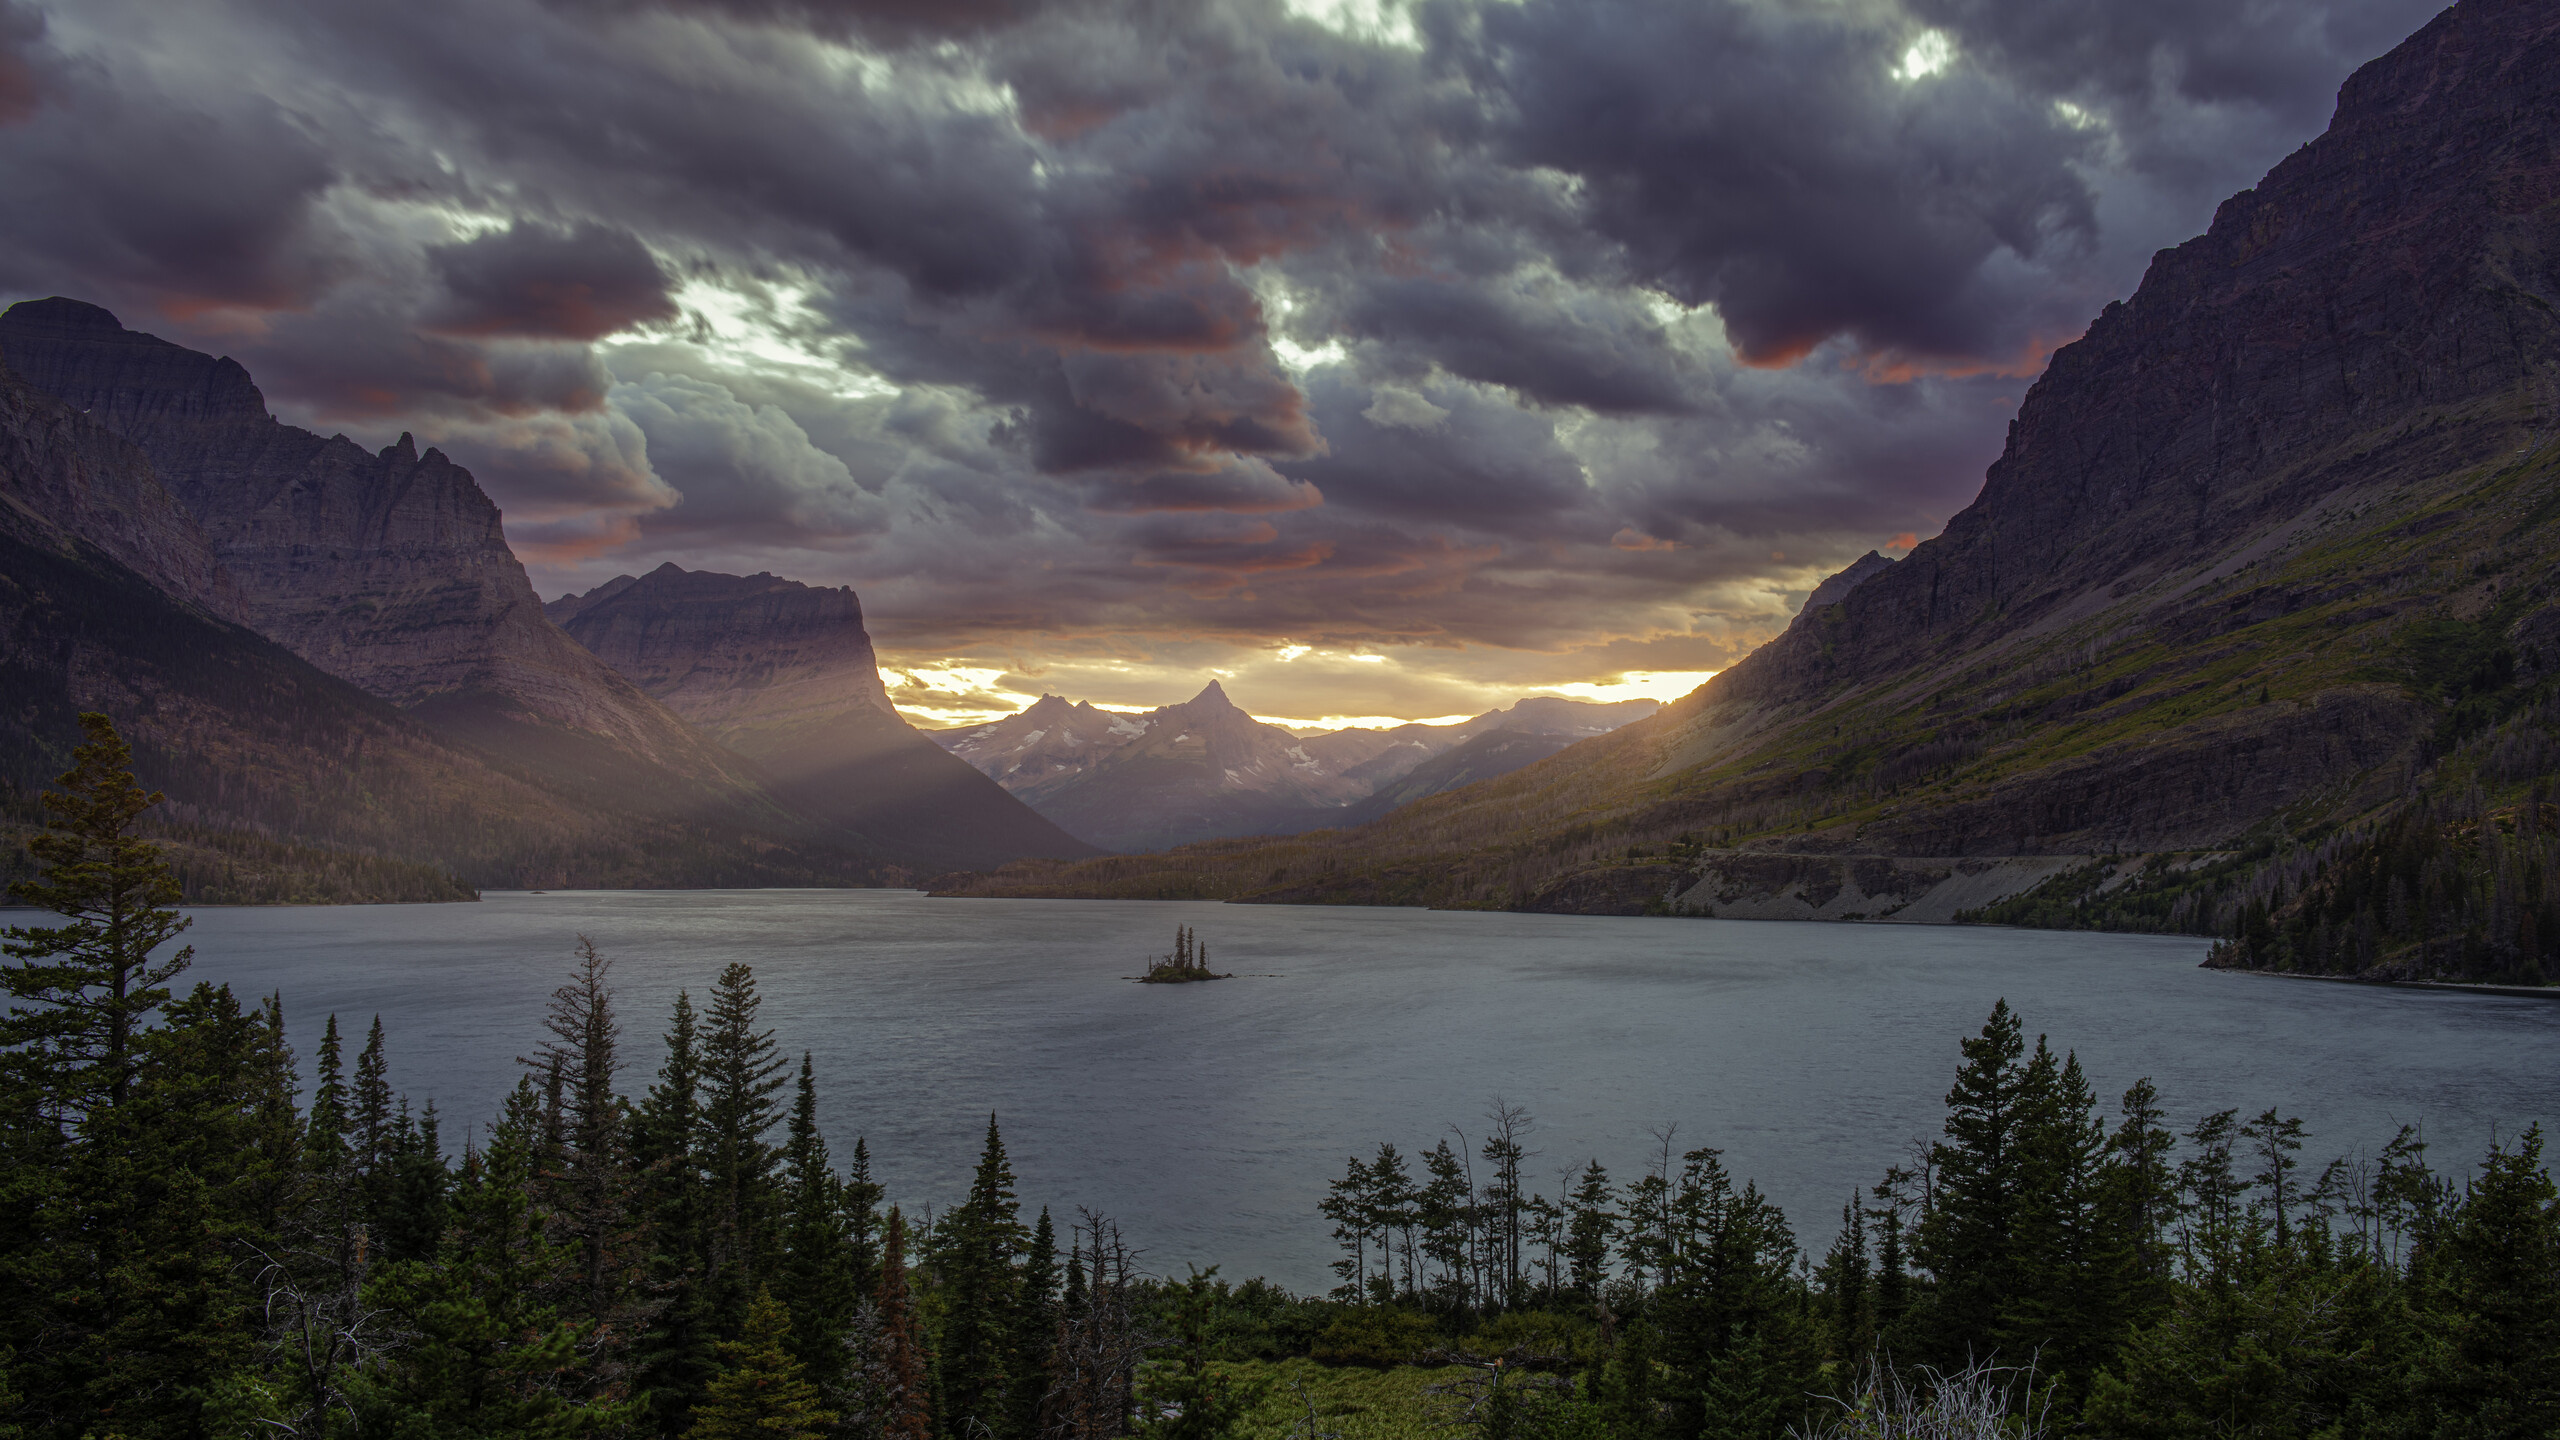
(333, 664)
(1205, 769)
(2253, 630)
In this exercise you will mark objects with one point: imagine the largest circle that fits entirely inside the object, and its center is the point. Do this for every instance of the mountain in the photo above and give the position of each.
(1143, 782)
(784, 674)
(1205, 769)
(2265, 566)
(388, 569)
(284, 782)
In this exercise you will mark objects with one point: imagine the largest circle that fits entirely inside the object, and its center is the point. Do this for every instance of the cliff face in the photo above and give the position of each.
(784, 674)
(728, 652)
(2404, 264)
(285, 782)
(389, 570)
(2272, 540)
(67, 477)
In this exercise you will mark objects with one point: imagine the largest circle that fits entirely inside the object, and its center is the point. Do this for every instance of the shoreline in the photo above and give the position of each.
(2528, 992)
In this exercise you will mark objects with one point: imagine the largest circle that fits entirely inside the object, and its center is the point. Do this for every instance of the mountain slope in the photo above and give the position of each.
(284, 782)
(389, 570)
(2254, 544)
(784, 674)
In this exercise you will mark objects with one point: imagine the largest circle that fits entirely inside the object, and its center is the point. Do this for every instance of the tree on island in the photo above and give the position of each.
(1189, 961)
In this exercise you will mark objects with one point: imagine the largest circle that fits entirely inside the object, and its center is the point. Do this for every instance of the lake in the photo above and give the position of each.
(1208, 1119)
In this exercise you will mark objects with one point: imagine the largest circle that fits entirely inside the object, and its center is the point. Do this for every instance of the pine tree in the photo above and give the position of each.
(1732, 1329)
(2496, 1285)
(761, 1392)
(979, 1250)
(818, 1280)
(897, 1356)
(676, 1358)
(1847, 1287)
(491, 1354)
(2138, 1199)
(1590, 1228)
(1966, 1237)
(2065, 1307)
(85, 988)
(586, 1178)
(1035, 1326)
(741, 1073)
(370, 1099)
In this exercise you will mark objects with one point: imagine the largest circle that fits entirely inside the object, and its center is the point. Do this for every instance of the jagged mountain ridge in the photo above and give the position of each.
(285, 782)
(1205, 768)
(2251, 543)
(785, 674)
(389, 570)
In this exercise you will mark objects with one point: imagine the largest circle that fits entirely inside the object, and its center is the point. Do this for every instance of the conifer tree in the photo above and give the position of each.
(676, 1356)
(86, 987)
(902, 1386)
(1966, 1237)
(2137, 1202)
(1590, 1228)
(741, 1073)
(1893, 1275)
(2501, 1258)
(1035, 1326)
(761, 1392)
(492, 1355)
(1847, 1287)
(818, 1280)
(370, 1101)
(2065, 1308)
(861, 1198)
(979, 1250)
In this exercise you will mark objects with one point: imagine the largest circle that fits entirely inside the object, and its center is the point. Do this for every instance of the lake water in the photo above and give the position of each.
(1209, 1118)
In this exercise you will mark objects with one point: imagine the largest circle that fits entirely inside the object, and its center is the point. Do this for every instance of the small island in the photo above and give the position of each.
(1188, 962)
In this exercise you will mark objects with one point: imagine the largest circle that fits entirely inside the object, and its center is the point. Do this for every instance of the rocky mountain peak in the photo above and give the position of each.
(1211, 699)
(1836, 587)
(387, 569)
(726, 651)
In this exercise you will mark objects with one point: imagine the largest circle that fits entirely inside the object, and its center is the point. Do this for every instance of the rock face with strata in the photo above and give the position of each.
(389, 569)
(2405, 262)
(784, 674)
(66, 478)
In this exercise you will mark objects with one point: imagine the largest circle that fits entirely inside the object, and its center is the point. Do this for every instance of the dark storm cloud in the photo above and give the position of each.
(2284, 57)
(534, 280)
(1463, 456)
(1763, 160)
(1601, 354)
(1128, 317)
(894, 20)
(135, 192)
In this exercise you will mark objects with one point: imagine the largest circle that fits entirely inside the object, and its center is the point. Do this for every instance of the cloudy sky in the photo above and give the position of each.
(1386, 359)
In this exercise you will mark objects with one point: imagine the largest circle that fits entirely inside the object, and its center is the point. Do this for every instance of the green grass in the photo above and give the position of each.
(1354, 1403)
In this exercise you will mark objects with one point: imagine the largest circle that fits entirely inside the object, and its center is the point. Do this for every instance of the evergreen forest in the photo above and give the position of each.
(201, 1235)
